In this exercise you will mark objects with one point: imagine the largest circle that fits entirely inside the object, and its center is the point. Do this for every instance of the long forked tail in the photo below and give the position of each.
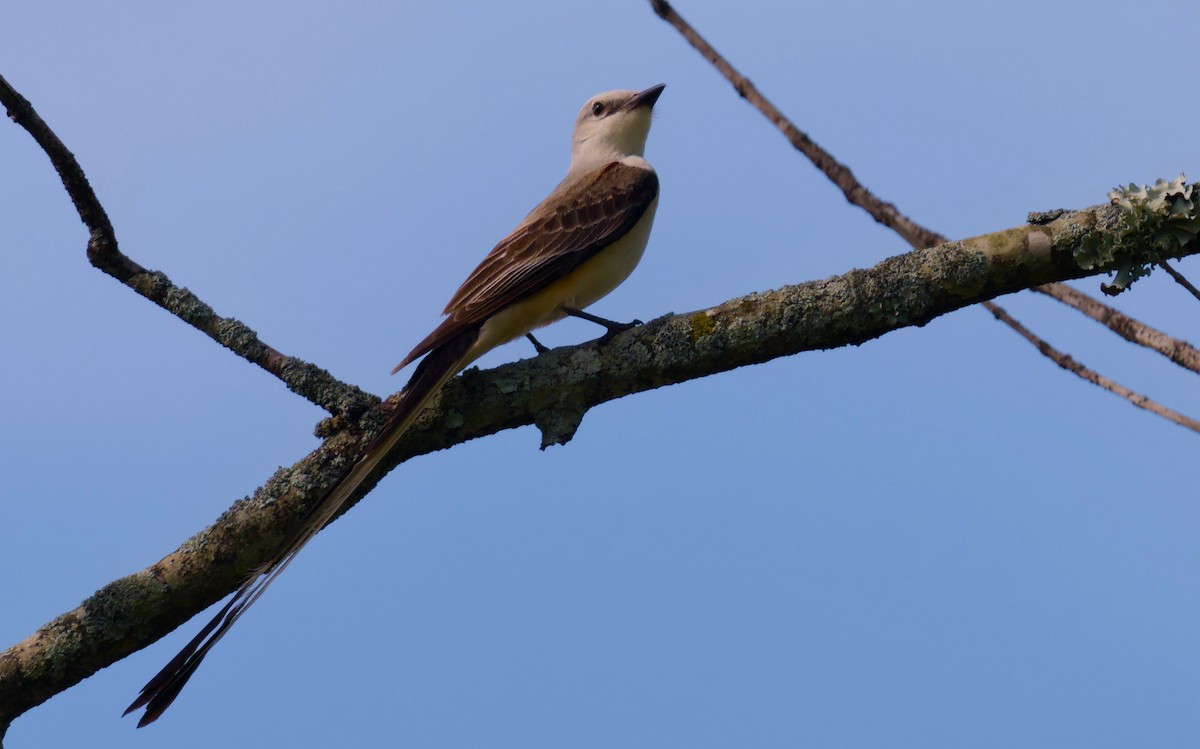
(434, 370)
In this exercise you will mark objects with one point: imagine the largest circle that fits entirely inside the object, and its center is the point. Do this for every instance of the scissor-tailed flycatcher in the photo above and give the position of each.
(576, 246)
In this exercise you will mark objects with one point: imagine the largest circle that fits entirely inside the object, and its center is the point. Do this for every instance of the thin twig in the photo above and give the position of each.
(1179, 279)
(307, 380)
(1069, 364)
(882, 211)
(1179, 351)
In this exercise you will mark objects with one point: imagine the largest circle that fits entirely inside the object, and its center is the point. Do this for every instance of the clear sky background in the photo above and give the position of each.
(938, 539)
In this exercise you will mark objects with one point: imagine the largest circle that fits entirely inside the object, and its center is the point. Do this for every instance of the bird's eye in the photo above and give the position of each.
(598, 108)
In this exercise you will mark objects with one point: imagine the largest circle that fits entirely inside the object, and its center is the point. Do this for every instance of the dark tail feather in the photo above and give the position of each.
(158, 693)
(440, 365)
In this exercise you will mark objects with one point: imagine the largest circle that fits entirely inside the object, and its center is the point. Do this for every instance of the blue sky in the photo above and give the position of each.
(935, 539)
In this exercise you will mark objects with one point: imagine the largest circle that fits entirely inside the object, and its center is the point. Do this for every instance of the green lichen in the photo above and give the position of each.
(966, 275)
(507, 385)
(240, 339)
(152, 284)
(187, 306)
(61, 640)
(1002, 243)
(702, 325)
(1153, 223)
(329, 426)
(889, 311)
(112, 609)
(1071, 233)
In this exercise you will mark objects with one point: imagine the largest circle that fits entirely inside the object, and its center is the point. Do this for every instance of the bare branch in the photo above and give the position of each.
(883, 212)
(1179, 351)
(1179, 279)
(553, 391)
(1069, 364)
(307, 380)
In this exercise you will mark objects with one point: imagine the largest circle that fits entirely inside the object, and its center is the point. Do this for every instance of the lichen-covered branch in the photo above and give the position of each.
(553, 391)
(1153, 221)
(307, 380)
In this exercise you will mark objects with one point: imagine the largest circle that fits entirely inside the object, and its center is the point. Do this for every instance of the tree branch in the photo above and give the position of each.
(886, 213)
(1069, 364)
(553, 391)
(307, 380)
(1179, 279)
(1179, 351)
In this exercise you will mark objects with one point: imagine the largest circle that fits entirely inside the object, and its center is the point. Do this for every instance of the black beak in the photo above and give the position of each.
(644, 99)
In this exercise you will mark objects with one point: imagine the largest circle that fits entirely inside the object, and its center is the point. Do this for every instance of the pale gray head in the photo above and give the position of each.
(613, 125)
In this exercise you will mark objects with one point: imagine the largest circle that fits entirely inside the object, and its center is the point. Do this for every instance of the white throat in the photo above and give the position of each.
(596, 152)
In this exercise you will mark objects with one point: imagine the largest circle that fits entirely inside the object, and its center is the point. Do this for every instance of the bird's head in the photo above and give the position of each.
(613, 125)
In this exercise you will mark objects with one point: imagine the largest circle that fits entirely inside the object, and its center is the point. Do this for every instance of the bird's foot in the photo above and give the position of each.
(611, 326)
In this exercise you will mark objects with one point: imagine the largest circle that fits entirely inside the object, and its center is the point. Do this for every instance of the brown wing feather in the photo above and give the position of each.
(574, 223)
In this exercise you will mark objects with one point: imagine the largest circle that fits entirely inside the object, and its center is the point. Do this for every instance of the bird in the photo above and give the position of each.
(571, 250)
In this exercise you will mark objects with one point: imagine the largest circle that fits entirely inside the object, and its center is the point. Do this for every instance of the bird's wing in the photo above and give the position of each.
(578, 220)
